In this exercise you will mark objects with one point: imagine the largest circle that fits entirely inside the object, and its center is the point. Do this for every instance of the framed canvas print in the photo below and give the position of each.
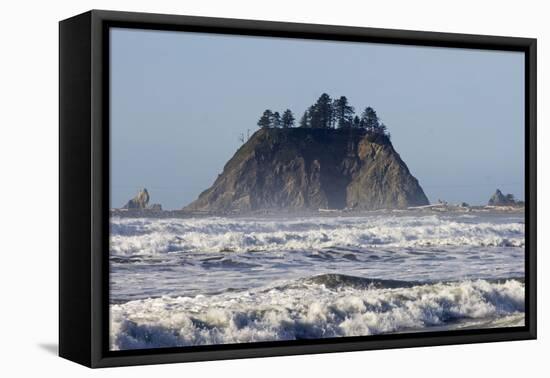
(236, 188)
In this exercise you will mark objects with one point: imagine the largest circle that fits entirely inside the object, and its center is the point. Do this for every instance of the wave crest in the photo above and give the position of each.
(153, 236)
(313, 309)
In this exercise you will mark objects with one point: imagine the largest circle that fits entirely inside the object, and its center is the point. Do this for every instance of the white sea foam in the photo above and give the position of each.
(158, 236)
(177, 282)
(313, 310)
(184, 257)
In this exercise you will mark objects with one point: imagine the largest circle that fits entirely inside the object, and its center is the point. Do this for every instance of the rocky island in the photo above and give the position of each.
(333, 162)
(304, 169)
(500, 199)
(139, 206)
(139, 202)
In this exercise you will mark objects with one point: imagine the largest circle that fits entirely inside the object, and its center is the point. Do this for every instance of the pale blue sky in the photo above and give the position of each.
(180, 100)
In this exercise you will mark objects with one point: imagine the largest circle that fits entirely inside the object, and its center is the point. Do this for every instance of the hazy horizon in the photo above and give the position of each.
(180, 100)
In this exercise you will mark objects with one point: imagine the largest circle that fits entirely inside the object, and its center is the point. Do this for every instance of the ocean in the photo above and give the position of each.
(223, 280)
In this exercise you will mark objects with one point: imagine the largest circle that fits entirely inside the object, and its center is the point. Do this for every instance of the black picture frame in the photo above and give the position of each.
(84, 187)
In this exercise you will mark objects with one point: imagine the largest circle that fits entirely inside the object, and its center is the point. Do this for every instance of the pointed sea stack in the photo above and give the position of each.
(303, 169)
(499, 199)
(139, 202)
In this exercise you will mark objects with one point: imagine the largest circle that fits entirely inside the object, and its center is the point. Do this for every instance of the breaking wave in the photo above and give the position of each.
(155, 236)
(317, 307)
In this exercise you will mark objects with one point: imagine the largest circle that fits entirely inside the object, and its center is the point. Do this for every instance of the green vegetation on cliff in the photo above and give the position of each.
(327, 113)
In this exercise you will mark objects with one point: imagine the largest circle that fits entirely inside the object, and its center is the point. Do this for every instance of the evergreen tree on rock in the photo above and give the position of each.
(287, 119)
(343, 112)
(369, 120)
(276, 120)
(321, 113)
(265, 120)
(305, 120)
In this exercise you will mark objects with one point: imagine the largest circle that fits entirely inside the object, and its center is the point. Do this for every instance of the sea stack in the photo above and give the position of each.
(304, 169)
(499, 199)
(139, 202)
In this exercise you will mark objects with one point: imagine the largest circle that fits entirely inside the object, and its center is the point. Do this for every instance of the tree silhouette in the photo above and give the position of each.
(356, 122)
(305, 120)
(369, 120)
(288, 119)
(327, 113)
(343, 112)
(276, 120)
(265, 120)
(321, 113)
(381, 129)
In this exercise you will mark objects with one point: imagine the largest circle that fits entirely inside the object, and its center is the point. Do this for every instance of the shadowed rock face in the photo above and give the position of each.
(309, 169)
(499, 199)
(140, 201)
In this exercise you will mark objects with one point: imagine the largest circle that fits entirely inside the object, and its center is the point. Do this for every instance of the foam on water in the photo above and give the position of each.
(158, 236)
(178, 282)
(186, 257)
(309, 309)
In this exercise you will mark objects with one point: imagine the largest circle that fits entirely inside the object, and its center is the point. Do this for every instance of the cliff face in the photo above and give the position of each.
(309, 169)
